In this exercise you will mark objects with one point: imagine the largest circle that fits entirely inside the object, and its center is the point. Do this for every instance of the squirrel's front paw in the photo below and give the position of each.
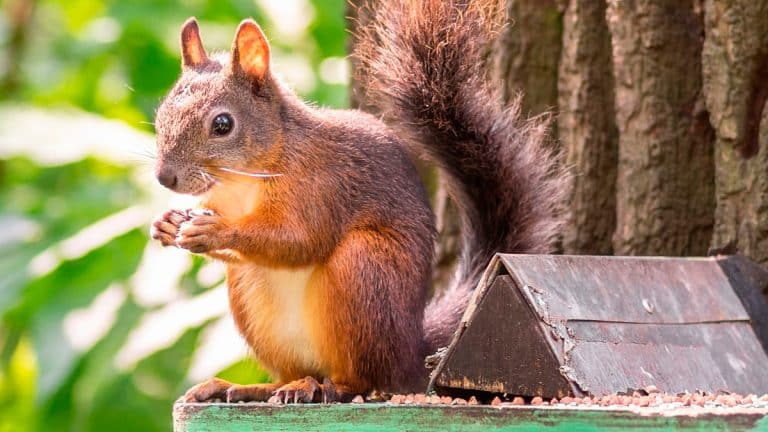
(202, 233)
(166, 227)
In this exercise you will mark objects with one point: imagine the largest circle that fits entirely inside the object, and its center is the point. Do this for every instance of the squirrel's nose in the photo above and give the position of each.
(167, 177)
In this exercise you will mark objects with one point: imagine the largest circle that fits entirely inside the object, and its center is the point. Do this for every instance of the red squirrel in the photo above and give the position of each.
(320, 216)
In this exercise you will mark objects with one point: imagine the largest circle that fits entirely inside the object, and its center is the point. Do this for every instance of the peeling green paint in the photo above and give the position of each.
(384, 417)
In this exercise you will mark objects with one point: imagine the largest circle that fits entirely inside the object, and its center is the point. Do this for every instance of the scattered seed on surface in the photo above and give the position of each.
(358, 399)
(642, 398)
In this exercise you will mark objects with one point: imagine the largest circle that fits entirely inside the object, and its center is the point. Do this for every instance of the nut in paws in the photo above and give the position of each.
(202, 233)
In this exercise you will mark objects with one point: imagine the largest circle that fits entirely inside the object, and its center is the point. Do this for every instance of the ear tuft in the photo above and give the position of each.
(250, 51)
(192, 51)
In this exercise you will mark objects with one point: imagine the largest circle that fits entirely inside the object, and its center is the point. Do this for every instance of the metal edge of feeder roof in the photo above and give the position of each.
(483, 285)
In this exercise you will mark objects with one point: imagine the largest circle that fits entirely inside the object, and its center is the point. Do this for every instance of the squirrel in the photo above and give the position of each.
(320, 215)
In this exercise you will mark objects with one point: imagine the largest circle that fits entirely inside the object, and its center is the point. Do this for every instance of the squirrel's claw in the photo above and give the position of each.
(166, 227)
(202, 234)
(329, 391)
(305, 390)
(214, 388)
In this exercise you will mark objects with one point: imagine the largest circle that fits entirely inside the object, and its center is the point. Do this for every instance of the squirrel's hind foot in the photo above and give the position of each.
(307, 390)
(219, 390)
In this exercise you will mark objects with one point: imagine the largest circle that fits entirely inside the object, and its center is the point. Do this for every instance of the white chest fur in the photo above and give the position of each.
(276, 300)
(288, 289)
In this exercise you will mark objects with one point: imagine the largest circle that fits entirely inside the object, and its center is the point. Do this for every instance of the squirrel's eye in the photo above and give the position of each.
(222, 125)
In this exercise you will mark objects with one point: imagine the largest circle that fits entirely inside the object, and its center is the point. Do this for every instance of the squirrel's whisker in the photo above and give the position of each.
(248, 174)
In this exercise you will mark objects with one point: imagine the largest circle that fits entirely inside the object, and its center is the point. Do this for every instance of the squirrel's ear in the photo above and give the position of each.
(250, 51)
(192, 51)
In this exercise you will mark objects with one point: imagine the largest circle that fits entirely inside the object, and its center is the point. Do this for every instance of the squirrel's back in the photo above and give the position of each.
(422, 66)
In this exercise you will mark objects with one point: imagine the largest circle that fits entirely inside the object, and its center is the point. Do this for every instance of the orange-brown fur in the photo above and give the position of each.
(328, 263)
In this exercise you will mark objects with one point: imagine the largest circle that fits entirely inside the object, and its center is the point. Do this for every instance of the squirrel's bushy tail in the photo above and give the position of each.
(422, 64)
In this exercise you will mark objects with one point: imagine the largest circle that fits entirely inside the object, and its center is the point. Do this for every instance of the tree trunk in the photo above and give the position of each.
(735, 63)
(664, 124)
(586, 127)
(665, 184)
(527, 54)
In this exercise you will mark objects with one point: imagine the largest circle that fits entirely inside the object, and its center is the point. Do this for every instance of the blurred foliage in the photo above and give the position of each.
(76, 233)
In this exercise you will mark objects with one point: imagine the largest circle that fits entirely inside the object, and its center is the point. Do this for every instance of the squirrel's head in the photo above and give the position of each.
(222, 114)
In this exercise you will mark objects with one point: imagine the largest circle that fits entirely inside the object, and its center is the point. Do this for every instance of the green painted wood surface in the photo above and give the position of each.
(385, 417)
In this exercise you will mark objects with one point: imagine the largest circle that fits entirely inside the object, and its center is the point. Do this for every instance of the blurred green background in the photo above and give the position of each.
(99, 328)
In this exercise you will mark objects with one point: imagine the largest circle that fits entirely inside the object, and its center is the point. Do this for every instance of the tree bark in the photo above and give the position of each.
(665, 184)
(587, 129)
(735, 64)
(527, 54)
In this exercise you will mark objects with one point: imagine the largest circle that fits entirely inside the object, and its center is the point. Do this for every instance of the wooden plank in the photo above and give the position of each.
(609, 357)
(495, 336)
(387, 417)
(750, 282)
(626, 289)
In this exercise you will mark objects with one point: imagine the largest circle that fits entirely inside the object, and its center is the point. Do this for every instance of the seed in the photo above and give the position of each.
(434, 400)
(376, 396)
(566, 400)
(420, 398)
(537, 400)
(472, 401)
(459, 401)
(397, 399)
(358, 399)
(496, 401)
(518, 401)
(275, 400)
(553, 401)
(446, 400)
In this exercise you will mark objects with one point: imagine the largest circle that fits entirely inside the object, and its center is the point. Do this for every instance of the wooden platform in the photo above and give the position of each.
(423, 418)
